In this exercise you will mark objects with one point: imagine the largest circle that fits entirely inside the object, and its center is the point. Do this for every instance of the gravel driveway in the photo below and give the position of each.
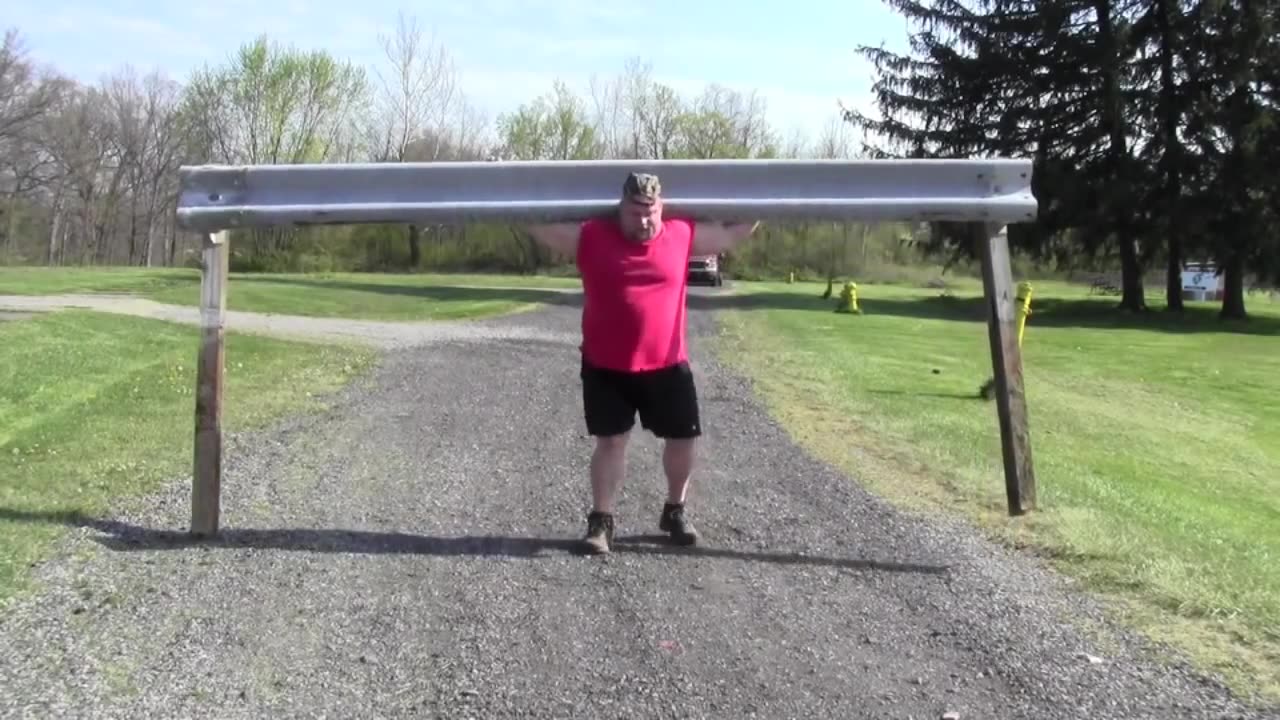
(408, 554)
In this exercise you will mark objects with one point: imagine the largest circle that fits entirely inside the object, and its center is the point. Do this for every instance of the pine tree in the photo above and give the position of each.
(1047, 79)
(1236, 100)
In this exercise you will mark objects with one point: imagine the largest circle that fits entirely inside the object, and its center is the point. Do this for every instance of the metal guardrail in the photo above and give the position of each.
(987, 194)
(220, 197)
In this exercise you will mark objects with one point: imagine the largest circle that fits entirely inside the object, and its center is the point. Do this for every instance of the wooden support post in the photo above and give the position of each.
(206, 486)
(1006, 360)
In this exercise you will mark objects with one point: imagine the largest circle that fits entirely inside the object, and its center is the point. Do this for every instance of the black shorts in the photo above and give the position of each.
(666, 401)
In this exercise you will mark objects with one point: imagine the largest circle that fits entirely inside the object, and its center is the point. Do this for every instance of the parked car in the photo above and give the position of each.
(705, 269)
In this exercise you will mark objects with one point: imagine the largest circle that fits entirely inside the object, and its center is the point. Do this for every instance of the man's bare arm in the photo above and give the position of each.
(559, 238)
(715, 238)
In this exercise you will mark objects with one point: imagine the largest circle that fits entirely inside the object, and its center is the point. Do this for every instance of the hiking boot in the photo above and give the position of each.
(599, 535)
(675, 524)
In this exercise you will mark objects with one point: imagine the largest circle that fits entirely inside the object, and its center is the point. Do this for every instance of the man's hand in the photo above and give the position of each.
(559, 238)
(715, 238)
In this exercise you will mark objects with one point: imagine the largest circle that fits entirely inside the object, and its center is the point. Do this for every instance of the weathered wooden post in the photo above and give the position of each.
(206, 487)
(1006, 359)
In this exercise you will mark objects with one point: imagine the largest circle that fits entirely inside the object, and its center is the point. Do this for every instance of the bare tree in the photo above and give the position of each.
(417, 94)
(471, 131)
(84, 138)
(131, 138)
(836, 140)
(608, 104)
(156, 152)
(835, 143)
(26, 95)
(725, 122)
(796, 145)
(418, 91)
(637, 116)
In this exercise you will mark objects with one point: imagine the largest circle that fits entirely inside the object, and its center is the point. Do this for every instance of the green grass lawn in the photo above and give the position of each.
(99, 407)
(1156, 440)
(347, 295)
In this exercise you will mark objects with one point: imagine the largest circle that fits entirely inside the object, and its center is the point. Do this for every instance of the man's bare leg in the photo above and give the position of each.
(608, 468)
(677, 462)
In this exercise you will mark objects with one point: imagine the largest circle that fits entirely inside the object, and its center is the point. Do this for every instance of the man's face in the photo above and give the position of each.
(641, 217)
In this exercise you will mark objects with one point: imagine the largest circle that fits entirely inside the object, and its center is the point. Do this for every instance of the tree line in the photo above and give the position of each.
(88, 171)
(1154, 125)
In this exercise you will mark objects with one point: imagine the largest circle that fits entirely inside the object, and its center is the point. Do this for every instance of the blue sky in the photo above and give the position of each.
(800, 55)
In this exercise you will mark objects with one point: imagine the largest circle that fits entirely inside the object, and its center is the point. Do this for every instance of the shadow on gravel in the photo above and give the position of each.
(123, 536)
(659, 545)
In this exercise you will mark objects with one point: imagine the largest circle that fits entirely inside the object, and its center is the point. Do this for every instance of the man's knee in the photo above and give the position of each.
(612, 444)
(681, 446)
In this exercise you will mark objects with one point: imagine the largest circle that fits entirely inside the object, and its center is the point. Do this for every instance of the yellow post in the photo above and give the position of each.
(849, 299)
(1024, 311)
(1024, 307)
(791, 277)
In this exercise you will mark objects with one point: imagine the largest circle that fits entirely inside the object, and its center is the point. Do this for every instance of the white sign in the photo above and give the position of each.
(1201, 279)
(1201, 283)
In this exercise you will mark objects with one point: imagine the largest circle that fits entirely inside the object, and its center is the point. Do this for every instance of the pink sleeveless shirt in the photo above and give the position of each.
(633, 315)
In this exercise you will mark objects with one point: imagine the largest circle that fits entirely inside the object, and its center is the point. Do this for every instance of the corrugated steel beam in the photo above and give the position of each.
(989, 194)
(218, 197)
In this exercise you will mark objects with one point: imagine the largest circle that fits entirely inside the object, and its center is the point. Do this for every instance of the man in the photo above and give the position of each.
(634, 268)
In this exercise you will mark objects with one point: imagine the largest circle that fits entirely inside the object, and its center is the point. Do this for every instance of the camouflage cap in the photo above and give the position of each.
(642, 186)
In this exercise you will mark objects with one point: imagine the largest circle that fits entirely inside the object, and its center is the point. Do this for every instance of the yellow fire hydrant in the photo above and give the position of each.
(1024, 307)
(849, 299)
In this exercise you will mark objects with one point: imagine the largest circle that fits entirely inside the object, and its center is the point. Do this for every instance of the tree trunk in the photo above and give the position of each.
(1120, 193)
(415, 247)
(1171, 158)
(133, 227)
(1173, 276)
(11, 233)
(831, 259)
(172, 228)
(530, 259)
(862, 267)
(1131, 292)
(150, 240)
(101, 244)
(54, 226)
(802, 233)
(1233, 288)
(535, 255)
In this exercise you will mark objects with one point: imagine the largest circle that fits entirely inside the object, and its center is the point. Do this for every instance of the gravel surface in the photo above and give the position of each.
(408, 553)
